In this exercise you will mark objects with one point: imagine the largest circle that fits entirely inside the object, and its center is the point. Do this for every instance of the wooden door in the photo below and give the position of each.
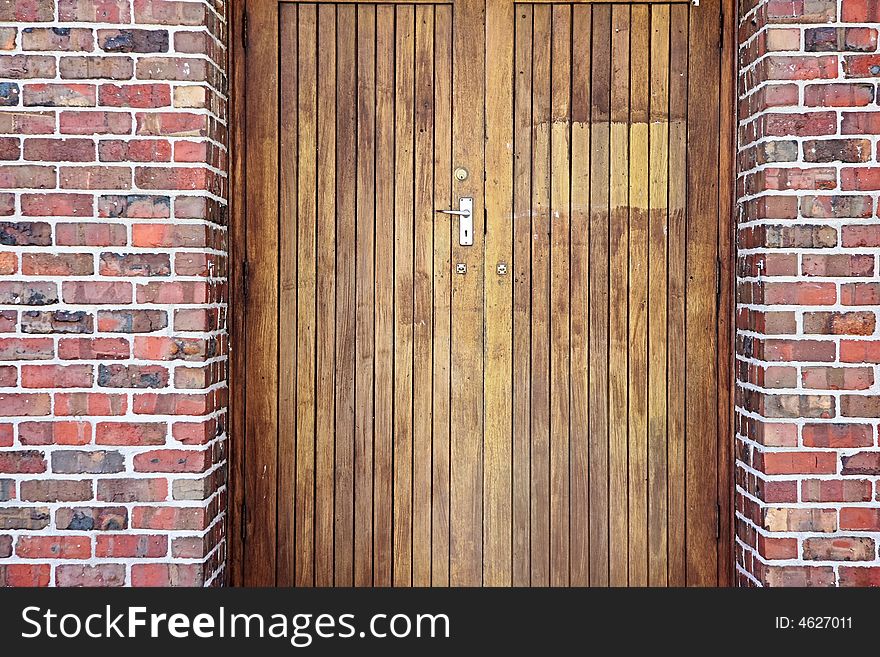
(543, 407)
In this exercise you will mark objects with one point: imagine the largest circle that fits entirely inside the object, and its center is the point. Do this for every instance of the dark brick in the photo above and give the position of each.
(87, 518)
(25, 293)
(76, 462)
(9, 94)
(24, 518)
(59, 490)
(133, 40)
(837, 150)
(25, 233)
(57, 321)
(132, 376)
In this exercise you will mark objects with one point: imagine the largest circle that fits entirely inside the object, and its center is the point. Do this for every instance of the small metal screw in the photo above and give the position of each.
(460, 268)
(502, 268)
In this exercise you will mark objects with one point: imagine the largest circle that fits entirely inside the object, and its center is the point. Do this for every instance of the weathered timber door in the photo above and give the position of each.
(481, 337)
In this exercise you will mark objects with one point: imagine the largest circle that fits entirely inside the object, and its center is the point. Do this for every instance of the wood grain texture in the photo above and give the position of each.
(346, 249)
(560, 291)
(287, 302)
(261, 395)
(384, 313)
(618, 283)
(540, 299)
(522, 294)
(497, 450)
(542, 418)
(658, 268)
(678, 85)
(466, 456)
(443, 240)
(579, 348)
(325, 312)
(306, 335)
(637, 393)
(423, 302)
(404, 142)
(365, 280)
(701, 419)
(600, 137)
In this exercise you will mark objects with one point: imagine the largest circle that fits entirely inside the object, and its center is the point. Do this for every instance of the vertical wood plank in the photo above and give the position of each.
(701, 377)
(498, 301)
(600, 137)
(726, 301)
(423, 318)
(678, 85)
(261, 422)
(637, 394)
(522, 293)
(306, 347)
(287, 306)
(467, 335)
(403, 294)
(364, 290)
(443, 235)
(237, 471)
(580, 276)
(540, 303)
(560, 198)
(618, 365)
(384, 313)
(346, 157)
(657, 297)
(326, 295)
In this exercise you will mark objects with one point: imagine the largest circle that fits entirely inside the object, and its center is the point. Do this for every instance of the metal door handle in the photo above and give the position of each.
(465, 213)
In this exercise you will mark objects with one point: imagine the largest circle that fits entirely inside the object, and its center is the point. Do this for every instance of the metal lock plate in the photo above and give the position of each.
(502, 268)
(460, 268)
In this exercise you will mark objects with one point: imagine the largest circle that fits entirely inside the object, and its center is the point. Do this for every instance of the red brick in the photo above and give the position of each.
(24, 462)
(57, 38)
(57, 376)
(60, 204)
(131, 546)
(135, 95)
(855, 576)
(125, 433)
(59, 95)
(86, 234)
(96, 67)
(96, 292)
(129, 490)
(27, 66)
(27, 11)
(93, 348)
(137, 150)
(164, 574)
(54, 547)
(168, 518)
(97, 11)
(17, 574)
(172, 460)
(55, 433)
(90, 403)
(94, 123)
(860, 518)
(61, 264)
(101, 575)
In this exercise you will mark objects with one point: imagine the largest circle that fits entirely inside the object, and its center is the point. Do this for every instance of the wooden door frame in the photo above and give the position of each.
(236, 474)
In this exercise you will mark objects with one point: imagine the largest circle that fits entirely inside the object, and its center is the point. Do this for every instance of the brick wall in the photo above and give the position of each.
(808, 395)
(112, 275)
